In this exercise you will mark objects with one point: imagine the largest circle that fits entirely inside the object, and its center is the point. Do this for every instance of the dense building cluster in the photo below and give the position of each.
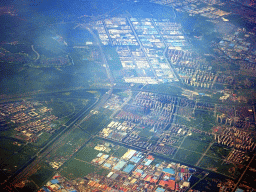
(192, 69)
(147, 64)
(174, 134)
(30, 119)
(240, 117)
(234, 137)
(238, 45)
(134, 171)
(194, 7)
(237, 156)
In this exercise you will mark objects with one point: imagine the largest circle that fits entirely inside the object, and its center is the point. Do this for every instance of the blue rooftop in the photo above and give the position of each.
(135, 159)
(54, 181)
(128, 168)
(107, 165)
(169, 170)
(46, 189)
(160, 189)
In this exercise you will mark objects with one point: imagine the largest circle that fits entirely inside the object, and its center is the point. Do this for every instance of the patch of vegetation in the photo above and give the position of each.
(44, 137)
(79, 169)
(42, 174)
(113, 58)
(165, 89)
(210, 163)
(195, 144)
(87, 154)
(95, 123)
(218, 151)
(187, 156)
(14, 155)
(120, 151)
(69, 145)
(204, 120)
(230, 169)
(146, 132)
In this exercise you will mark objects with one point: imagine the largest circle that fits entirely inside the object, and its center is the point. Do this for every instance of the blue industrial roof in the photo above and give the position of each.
(100, 154)
(169, 170)
(46, 189)
(172, 178)
(128, 168)
(107, 165)
(54, 181)
(139, 171)
(135, 159)
(148, 162)
(160, 189)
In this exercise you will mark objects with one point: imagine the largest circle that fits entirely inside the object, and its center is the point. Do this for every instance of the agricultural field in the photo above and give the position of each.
(14, 154)
(76, 168)
(80, 164)
(95, 122)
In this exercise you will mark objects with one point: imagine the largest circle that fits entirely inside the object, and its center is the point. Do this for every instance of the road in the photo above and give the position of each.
(142, 47)
(176, 76)
(197, 163)
(104, 60)
(38, 56)
(241, 177)
(206, 174)
(124, 103)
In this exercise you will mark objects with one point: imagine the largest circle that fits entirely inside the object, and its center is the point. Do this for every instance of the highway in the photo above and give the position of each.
(104, 60)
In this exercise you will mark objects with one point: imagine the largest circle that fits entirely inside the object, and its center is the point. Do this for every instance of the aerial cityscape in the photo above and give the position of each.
(128, 95)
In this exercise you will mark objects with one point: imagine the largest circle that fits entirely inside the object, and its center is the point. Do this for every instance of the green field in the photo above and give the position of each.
(120, 151)
(220, 166)
(204, 120)
(14, 156)
(210, 163)
(74, 140)
(230, 169)
(186, 156)
(43, 139)
(218, 151)
(42, 174)
(80, 164)
(87, 154)
(165, 89)
(146, 132)
(95, 122)
(195, 145)
(79, 169)
(113, 58)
